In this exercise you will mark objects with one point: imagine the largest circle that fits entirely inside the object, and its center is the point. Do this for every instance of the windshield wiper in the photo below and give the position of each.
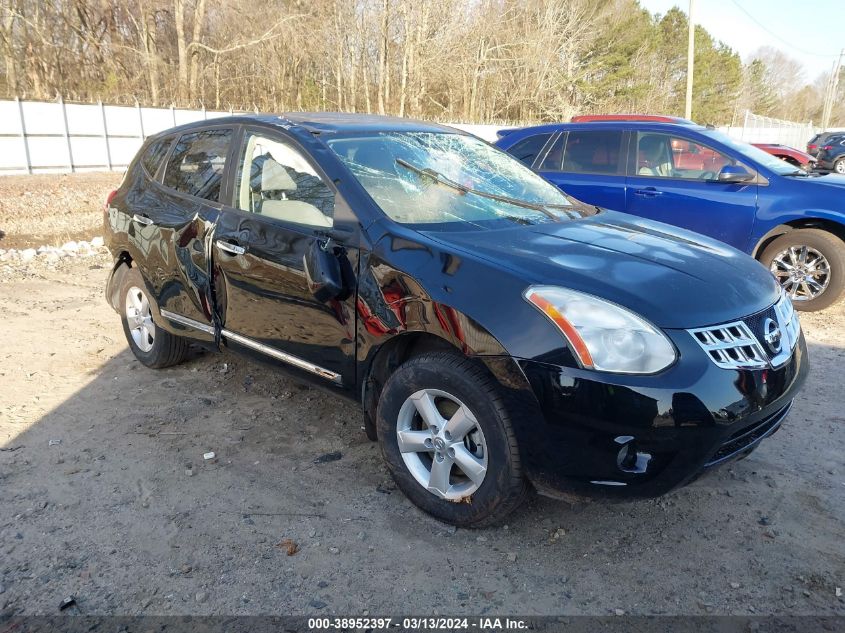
(463, 189)
(797, 172)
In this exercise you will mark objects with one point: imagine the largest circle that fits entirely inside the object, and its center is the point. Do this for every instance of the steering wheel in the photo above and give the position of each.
(708, 175)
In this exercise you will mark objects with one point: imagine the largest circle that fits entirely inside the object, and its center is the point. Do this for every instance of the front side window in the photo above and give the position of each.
(594, 152)
(754, 154)
(442, 177)
(667, 156)
(526, 150)
(154, 154)
(276, 181)
(196, 165)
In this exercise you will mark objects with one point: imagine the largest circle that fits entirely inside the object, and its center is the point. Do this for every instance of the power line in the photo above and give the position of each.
(776, 36)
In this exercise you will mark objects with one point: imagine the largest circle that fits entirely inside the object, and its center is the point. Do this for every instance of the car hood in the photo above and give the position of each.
(672, 277)
(834, 181)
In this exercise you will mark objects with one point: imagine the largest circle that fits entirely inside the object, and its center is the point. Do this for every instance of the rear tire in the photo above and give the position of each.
(152, 345)
(839, 166)
(460, 462)
(821, 251)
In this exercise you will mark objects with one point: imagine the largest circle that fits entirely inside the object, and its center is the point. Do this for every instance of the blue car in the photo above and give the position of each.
(692, 176)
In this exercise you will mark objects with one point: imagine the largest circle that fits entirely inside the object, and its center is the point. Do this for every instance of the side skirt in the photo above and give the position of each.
(290, 359)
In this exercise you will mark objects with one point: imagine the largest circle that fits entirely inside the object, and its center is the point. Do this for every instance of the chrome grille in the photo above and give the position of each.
(731, 346)
(790, 326)
(742, 345)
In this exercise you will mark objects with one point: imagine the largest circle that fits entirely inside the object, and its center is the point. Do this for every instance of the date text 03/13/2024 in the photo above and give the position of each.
(418, 623)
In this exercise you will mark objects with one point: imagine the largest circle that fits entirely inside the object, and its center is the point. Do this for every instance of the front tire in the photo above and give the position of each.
(448, 442)
(810, 265)
(152, 345)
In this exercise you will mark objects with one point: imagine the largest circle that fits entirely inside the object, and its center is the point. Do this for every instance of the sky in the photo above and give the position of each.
(811, 32)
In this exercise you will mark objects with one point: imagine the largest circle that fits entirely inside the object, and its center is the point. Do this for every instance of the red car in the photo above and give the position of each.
(788, 154)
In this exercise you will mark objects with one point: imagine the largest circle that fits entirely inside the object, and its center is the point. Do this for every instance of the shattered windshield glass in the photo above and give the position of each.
(438, 177)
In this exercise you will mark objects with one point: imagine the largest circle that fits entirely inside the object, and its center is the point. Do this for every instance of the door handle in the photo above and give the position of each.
(648, 192)
(142, 219)
(232, 249)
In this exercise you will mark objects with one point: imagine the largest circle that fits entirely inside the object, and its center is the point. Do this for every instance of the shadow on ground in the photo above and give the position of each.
(106, 497)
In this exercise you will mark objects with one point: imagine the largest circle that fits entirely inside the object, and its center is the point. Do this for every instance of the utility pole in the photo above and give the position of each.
(832, 87)
(690, 60)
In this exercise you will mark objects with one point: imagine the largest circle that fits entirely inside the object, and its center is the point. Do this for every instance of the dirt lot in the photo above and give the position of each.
(49, 209)
(105, 494)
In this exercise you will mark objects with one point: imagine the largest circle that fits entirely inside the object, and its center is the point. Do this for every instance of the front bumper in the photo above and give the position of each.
(641, 436)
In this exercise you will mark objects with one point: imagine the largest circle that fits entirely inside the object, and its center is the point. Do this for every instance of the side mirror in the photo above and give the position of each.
(734, 174)
(322, 272)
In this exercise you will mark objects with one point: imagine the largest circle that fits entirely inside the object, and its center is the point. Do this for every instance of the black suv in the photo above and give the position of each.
(831, 154)
(496, 332)
(815, 143)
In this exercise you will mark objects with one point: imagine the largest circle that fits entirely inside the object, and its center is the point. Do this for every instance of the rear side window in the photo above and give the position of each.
(593, 152)
(197, 163)
(154, 154)
(527, 149)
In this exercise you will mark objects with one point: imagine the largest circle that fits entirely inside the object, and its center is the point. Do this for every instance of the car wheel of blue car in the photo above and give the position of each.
(448, 442)
(810, 266)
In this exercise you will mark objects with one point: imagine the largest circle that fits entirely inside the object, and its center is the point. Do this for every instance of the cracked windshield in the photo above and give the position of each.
(440, 177)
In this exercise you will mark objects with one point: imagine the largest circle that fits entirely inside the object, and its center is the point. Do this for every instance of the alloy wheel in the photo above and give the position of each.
(140, 319)
(839, 167)
(803, 272)
(442, 444)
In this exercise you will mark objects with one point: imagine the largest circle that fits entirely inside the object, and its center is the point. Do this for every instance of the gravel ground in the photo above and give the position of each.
(51, 209)
(106, 495)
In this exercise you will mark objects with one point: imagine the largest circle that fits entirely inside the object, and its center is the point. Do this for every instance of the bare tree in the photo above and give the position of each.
(478, 60)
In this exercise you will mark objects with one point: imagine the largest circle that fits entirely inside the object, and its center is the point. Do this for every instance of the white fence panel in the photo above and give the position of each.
(41, 137)
(155, 120)
(10, 122)
(45, 137)
(11, 151)
(761, 129)
(43, 118)
(83, 120)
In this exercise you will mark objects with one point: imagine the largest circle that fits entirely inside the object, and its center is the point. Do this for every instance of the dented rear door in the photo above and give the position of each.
(173, 226)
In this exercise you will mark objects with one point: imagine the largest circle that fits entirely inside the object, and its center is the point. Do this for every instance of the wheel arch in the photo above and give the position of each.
(122, 264)
(403, 347)
(386, 358)
(824, 224)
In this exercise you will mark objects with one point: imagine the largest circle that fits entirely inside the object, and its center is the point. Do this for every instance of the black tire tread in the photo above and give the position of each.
(517, 488)
(174, 351)
(168, 349)
(835, 248)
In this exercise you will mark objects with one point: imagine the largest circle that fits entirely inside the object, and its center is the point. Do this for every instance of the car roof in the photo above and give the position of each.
(321, 122)
(351, 122)
(614, 124)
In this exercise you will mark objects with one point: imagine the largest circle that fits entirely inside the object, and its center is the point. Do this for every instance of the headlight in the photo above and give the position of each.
(603, 335)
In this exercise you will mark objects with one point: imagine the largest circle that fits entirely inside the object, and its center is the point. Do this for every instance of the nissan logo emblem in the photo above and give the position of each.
(772, 335)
